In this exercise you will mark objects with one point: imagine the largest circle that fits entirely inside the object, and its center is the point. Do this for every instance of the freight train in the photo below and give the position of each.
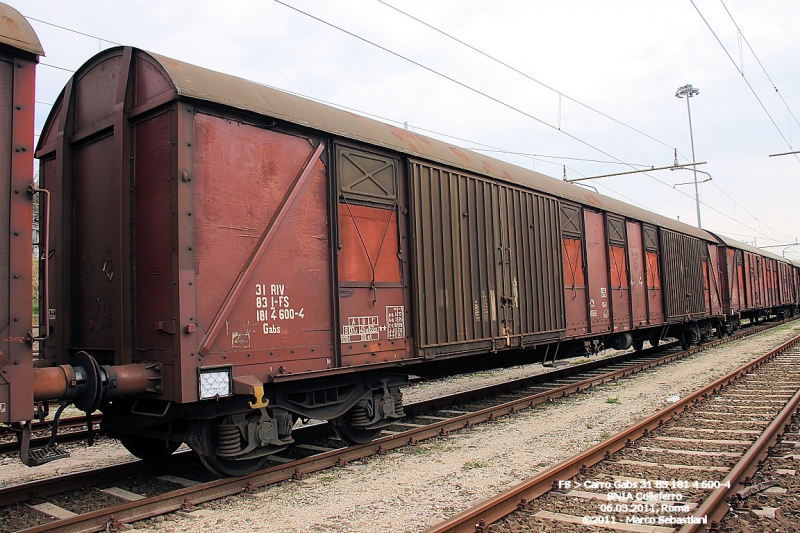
(219, 259)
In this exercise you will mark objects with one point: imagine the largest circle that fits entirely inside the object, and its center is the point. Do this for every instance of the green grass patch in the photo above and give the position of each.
(470, 465)
(612, 400)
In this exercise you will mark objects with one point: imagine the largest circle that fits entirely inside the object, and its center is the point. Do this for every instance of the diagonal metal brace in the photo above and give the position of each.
(258, 251)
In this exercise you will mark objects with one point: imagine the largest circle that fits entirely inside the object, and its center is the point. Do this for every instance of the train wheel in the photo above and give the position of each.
(148, 448)
(638, 344)
(213, 442)
(351, 434)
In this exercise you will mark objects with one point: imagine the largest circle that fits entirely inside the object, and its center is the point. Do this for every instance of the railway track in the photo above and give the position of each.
(316, 451)
(684, 467)
(70, 429)
(74, 428)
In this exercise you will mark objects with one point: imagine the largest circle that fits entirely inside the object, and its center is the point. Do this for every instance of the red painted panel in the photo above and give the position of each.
(375, 328)
(597, 265)
(748, 279)
(706, 287)
(743, 272)
(16, 225)
(740, 287)
(636, 267)
(6, 146)
(655, 310)
(730, 297)
(620, 290)
(767, 282)
(372, 309)
(367, 237)
(575, 287)
(241, 175)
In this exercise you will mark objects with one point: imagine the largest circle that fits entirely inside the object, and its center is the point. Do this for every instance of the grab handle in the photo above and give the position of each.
(44, 255)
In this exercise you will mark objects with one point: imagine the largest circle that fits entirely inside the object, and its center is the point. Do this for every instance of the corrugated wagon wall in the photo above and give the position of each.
(682, 269)
(487, 262)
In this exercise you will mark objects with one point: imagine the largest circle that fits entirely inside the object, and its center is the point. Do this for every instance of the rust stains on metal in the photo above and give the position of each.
(593, 200)
(460, 154)
(407, 138)
(17, 32)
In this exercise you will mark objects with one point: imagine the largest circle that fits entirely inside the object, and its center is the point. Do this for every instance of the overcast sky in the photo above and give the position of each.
(623, 58)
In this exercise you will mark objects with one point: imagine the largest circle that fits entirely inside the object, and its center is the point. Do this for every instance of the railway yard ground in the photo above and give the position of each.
(416, 487)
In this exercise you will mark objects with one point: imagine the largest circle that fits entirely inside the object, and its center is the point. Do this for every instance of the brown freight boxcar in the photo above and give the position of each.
(226, 258)
(755, 283)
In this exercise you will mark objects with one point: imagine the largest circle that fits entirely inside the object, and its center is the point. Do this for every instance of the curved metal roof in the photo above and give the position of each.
(202, 84)
(733, 243)
(16, 31)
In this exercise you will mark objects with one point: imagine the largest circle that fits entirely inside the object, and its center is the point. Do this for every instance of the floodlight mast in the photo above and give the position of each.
(688, 91)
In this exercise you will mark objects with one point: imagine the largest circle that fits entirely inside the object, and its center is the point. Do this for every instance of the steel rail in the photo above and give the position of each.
(12, 446)
(55, 485)
(190, 497)
(517, 497)
(45, 487)
(74, 436)
(715, 507)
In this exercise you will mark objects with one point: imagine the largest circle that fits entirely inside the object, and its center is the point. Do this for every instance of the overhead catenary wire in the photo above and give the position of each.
(57, 67)
(528, 76)
(760, 64)
(486, 147)
(73, 31)
(560, 94)
(465, 86)
(449, 78)
(505, 104)
(740, 206)
(526, 154)
(744, 78)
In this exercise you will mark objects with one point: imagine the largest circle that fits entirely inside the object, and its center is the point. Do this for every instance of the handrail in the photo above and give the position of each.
(44, 256)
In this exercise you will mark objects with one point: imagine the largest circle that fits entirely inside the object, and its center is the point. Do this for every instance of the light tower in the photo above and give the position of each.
(688, 91)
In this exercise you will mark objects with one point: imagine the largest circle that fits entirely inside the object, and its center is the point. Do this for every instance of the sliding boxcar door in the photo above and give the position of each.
(636, 267)
(597, 267)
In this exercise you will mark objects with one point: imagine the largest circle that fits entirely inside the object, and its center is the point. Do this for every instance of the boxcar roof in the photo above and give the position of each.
(16, 31)
(733, 243)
